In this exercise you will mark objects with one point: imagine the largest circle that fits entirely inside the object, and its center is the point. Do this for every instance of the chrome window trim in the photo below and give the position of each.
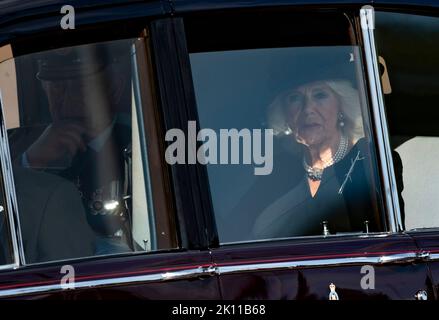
(143, 147)
(367, 16)
(94, 258)
(433, 257)
(167, 276)
(216, 270)
(10, 196)
(339, 236)
(422, 230)
(8, 266)
(375, 260)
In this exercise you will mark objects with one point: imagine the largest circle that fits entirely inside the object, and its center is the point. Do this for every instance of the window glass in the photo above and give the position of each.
(316, 174)
(74, 118)
(408, 48)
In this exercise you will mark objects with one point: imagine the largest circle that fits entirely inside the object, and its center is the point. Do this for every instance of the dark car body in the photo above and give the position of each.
(404, 262)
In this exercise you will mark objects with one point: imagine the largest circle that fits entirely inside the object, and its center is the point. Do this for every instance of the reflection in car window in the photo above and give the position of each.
(76, 153)
(408, 47)
(324, 179)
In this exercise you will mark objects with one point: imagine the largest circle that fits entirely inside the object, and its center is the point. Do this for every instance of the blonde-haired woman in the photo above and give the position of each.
(323, 118)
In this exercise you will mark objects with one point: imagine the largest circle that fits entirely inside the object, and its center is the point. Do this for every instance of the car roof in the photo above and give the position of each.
(17, 6)
(8, 7)
(13, 9)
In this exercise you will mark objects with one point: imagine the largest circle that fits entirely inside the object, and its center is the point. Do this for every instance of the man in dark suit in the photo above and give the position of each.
(85, 143)
(52, 217)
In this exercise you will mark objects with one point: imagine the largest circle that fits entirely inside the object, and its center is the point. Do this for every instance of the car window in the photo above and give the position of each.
(287, 138)
(75, 126)
(408, 48)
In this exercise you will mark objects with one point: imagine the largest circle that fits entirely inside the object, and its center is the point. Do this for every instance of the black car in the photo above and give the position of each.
(192, 149)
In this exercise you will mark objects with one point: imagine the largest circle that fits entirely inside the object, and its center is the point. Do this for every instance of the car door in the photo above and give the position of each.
(276, 239)
(105, 216)
(407, 43)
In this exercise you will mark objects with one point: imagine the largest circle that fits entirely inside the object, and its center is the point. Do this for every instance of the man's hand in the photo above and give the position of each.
(58, 141)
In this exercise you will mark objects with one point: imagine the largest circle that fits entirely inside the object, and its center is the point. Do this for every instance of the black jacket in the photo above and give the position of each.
(280, 204)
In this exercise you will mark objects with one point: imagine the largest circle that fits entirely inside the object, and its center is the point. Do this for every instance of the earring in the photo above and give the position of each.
(341, 119)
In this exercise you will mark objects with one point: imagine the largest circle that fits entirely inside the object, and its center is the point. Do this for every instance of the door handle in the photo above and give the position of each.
(423, 255)
(199, 272)
(405, 257)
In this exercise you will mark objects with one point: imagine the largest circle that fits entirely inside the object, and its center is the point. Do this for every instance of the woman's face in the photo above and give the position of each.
(312, 111)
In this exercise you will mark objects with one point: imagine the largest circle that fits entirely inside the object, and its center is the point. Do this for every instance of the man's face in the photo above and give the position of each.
(84, 101)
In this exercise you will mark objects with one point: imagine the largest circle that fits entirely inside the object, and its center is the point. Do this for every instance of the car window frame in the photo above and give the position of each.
(101, 33)
(377, 135)
(177, 97)
(8, 192)
(376, 100)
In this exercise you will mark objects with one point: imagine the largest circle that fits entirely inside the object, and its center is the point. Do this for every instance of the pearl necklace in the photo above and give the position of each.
(316, 174)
